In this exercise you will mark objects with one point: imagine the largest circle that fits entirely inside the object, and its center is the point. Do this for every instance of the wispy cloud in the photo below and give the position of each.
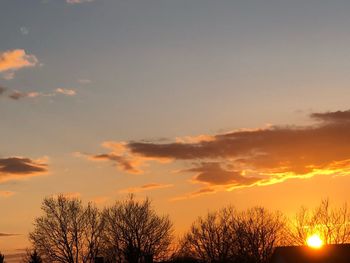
(68, 92)
(8, 235)
(24, 30)
(246, 158)
(18, 95)
(122, 158)
(197, 193)
(78, 1)
(84, 81)
(13, 60)
(146, 187)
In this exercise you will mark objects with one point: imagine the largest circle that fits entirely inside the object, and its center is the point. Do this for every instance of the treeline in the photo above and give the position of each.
(131, 231)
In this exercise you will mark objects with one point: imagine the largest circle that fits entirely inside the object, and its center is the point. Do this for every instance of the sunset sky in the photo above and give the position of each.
(196, 104)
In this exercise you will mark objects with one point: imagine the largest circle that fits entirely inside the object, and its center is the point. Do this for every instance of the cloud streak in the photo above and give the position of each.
(68, 92)
(72, 2)
(146, 187)
(8, 235)
(19, 95)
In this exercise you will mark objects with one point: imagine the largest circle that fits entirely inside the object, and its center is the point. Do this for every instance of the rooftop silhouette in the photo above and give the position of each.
(303, 254)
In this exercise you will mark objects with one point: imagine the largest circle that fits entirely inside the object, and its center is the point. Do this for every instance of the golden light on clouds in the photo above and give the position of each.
(16, 59)
(245, 157)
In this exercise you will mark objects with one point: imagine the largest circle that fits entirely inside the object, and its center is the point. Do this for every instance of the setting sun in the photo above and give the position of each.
(314, 241)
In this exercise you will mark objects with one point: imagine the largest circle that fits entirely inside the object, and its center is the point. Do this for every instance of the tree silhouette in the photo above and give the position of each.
(232, 236)
(210, 239)
(2, 258)
(257, 233)
(135, 233)
(331, 223)
(68, 232)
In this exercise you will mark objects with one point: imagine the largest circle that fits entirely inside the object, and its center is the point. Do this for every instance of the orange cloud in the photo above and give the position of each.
(123, 159)
(13, 60)
(254, 157)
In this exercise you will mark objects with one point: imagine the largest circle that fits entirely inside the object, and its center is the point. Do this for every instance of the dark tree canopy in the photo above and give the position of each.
(210, 238)
(131, 231)
(257, 233)
(232, 236)
(135, 233)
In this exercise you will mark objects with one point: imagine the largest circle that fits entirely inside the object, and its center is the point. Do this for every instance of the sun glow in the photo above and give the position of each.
(314, 241)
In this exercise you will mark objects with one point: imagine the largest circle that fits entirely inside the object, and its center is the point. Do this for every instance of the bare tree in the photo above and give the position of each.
(135, 233)
(210, 239)
(257, 233)
(231, 236)
(331, 223)
(67, 232)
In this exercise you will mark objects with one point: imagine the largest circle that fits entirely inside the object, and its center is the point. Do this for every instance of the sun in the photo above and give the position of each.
(314, 241)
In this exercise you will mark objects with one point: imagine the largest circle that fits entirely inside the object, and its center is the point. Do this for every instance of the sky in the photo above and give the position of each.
(196, 104)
